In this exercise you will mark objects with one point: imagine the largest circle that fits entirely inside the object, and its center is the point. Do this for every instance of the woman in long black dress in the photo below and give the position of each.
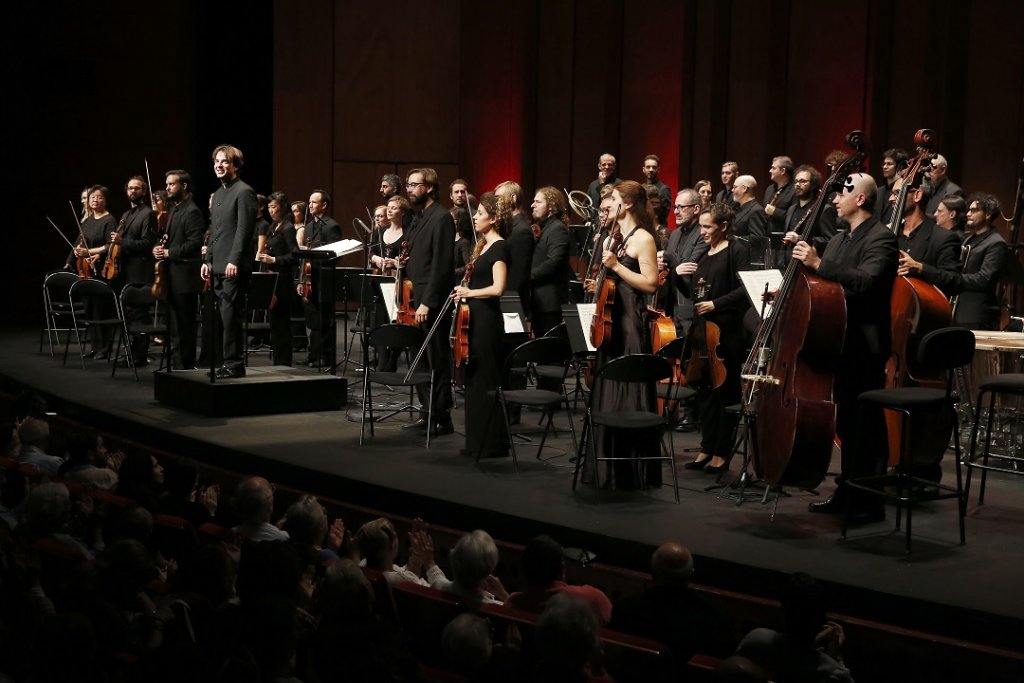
(635, 271)
(279, 256)
(724, 303)
(385, 257)
(96, 228)
(493, 221)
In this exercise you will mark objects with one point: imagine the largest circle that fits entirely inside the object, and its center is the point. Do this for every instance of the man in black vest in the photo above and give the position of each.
(230, 255)
(185, 228)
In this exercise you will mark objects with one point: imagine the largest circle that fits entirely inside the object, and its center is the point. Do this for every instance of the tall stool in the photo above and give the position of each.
(943, 350)
(1011, 384)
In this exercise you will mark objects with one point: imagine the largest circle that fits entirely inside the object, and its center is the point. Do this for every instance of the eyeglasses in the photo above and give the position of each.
(680, 207)
(414, 185)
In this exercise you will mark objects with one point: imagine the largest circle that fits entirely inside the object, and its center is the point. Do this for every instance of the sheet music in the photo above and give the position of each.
(388, 290)
(754, 282)
(341, 248)
(587, 312)
(513, 323)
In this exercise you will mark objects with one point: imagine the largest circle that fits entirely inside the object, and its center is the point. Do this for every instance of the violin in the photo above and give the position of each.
(265, 249)
(604, 297)
(307, 273)
(704, 368)
(406, 312)
(83, 264)
(460, 325)
(536, 229)
(159, 288)
(112, 265)
(663, 330)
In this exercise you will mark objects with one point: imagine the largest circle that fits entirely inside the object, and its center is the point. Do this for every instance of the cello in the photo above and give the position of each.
(916, 307)
(703, 367)
(789, 373)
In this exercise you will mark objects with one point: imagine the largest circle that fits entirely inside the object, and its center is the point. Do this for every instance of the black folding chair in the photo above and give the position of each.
(139, 297)
(395, 337)
(92, 295)
(57, 306)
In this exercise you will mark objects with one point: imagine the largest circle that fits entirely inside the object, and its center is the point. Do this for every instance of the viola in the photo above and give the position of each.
(604, 297)
(406, 311)
(663, 329)
(536, 229)
(460, 325)
(159, 288)
(307, 273)
(84, 265)
(112, 265)
(703, 365)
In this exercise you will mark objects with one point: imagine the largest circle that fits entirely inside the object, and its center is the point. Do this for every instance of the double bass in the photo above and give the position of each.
(916, 307)
(790, 372)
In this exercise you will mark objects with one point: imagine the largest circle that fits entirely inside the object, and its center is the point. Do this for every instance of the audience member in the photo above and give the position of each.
(568, 640)
(544, 571)
(34, 434)
(254, 503)
(808, 649)
(473, 559)
(377, 542)
(88, 461)
(141, 478)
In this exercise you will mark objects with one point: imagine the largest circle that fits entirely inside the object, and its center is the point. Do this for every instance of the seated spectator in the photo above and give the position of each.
(182, 497)
(669, 612)
(140, 478)
(808, 649)
(88, 461)
(740, 670)
(306, 525)
(254, 504)
(34, 434)
(377, 542)
(47, 513)
(352, 643)
(544, 571)
(569, 643)
(473, 559)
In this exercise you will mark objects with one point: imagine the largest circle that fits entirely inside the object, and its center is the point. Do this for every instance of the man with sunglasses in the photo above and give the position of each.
(864, 261)
(684, 250)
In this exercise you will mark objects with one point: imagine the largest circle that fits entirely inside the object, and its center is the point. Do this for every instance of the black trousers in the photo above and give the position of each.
(438, 356)
(183, 327)
(230, 294)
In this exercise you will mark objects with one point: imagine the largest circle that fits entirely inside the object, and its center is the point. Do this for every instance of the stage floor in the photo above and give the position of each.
(976, 588)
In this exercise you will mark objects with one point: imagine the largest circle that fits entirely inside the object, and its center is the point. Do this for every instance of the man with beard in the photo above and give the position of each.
(779, 194)
(864, 261)
(320, 229)
(230, 255)
(136, 233)
(978, 304)
(806, 184)
(520, 245)
(390, 186)
(606, 167)
(185, 228)
(685, 249)
(651, 169)
(459, 193)
(893, 162)
(431, 267)
(926, 250)
(551, 271)
(730, 172)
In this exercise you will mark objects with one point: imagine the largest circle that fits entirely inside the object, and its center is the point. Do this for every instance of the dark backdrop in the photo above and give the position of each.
(333, 93)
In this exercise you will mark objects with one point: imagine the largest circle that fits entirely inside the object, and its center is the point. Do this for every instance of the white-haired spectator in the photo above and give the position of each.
(34, 434)
(473, 559)
(378, 544)
(254, 503)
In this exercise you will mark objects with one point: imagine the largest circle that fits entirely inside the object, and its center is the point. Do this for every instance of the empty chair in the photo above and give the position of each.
(100, 315)
(146, 321)
(395, 337)
(57, 306)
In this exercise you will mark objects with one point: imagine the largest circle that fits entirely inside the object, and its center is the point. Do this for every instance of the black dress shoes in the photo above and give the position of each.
(418, 424)
(697, 464)
(224, 372)
(442, 428)
(833, 505)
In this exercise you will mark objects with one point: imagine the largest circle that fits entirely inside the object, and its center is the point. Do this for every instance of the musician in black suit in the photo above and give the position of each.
(136, 233)
(230, 255)
(926, 250)
(978, 304)
(185, 228)
(864, 261)
(521, 244)
(806, 185)
(778, 196)
(551, 272)
(431, 269)
(320, 229)
(730, 171)
(682, 254)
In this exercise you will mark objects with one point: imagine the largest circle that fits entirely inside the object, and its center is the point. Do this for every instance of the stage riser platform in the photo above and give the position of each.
(263, 391)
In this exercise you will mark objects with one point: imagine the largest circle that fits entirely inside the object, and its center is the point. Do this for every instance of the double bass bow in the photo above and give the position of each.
(791, 366)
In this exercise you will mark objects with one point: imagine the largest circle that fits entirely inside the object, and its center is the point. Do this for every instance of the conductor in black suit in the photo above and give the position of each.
(231, 252)
(185, 228)
(431, 267)
(551, 271)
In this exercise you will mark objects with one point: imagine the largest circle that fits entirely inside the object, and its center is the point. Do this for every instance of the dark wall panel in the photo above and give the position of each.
(553, 112)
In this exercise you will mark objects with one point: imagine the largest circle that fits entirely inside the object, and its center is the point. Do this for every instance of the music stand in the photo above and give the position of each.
(321, 260)
(366, 288)
(259, 293)
(579, 338)
(345, 292)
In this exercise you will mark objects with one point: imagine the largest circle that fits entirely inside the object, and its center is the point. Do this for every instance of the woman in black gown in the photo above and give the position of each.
(279, 256)
(96, 229)
(492, 222)
(635, 270)
(385, 256)
(724, 303)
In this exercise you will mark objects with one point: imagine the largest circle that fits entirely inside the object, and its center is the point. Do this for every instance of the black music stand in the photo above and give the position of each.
(345, 292)
(579, 338)
(366, 288)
